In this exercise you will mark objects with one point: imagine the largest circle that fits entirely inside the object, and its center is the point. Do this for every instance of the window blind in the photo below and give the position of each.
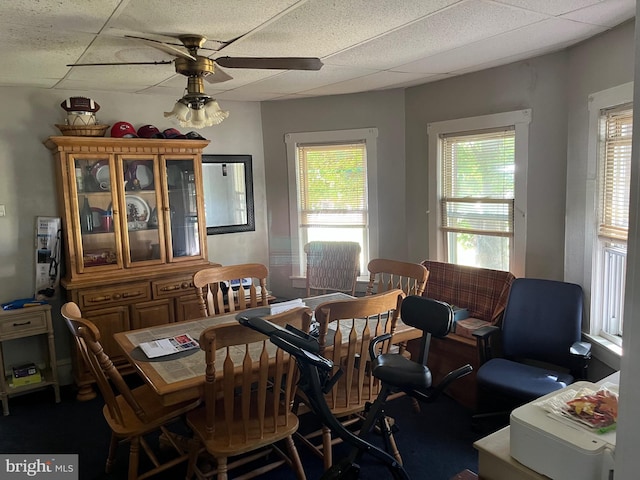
(616, 173)
(332, 185)
(478, 182)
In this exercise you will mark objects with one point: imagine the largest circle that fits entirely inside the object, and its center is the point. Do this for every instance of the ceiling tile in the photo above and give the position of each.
(374, 81)
(551, 7)
(295, 82)
(609, 13)
(454, 27)
(553, 33)
(221, 20)
(321, 27)
(57, 16)
(44, 52)
(365, 44)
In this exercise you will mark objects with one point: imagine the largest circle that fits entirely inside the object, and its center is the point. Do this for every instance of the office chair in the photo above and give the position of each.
(540, 349)
(318, 378)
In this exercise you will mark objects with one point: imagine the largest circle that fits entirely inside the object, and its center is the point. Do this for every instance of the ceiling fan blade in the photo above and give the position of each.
(164, 47)
(275, 63)
(217, 76)
(163, 62)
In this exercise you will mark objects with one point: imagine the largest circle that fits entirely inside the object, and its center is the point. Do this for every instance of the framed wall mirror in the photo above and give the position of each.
(228, 193)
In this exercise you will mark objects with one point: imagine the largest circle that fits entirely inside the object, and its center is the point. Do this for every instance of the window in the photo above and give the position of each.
(610, 250)
(478, 185)
(477, 197)
(332, 200)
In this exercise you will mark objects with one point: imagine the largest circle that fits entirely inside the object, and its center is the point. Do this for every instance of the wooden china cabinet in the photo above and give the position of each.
(134, 233)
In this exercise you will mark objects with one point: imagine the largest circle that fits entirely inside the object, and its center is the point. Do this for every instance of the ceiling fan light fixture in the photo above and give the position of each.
(196, 110)
(214, 112)
(180, 111)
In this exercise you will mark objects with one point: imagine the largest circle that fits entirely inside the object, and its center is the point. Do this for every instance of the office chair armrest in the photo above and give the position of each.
(581, 349)
(484, 341)
(580, 355)
(447, 380)
(375, 341)
(485, 332)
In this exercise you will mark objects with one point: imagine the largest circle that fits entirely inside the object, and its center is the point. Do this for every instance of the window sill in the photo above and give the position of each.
(604, 350)
(301, 282)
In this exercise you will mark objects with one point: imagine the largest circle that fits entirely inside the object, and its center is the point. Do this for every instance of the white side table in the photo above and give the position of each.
(21, 323)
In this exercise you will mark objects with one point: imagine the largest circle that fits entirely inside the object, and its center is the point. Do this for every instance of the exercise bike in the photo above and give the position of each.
(395, 372)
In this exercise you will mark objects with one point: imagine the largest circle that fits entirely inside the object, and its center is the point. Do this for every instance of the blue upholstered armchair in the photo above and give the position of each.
(537, 350)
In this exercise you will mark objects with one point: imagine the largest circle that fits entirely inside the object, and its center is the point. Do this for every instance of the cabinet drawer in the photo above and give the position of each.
(114, 295)
(173, 287)
(23, 325)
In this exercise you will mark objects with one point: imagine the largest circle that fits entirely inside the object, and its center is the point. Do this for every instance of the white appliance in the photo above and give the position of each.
(558, 449)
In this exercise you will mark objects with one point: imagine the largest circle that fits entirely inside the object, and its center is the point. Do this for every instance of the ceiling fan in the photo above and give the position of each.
(189, 63)
(203, 110)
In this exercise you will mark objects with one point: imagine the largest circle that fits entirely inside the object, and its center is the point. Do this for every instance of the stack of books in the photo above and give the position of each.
(26, 374)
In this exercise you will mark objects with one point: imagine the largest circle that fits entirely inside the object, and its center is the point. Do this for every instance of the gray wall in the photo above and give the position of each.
(598, 64)
(383, 110)
(539, 84)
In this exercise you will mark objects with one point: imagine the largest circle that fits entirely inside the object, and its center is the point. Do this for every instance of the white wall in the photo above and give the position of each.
(27, 178)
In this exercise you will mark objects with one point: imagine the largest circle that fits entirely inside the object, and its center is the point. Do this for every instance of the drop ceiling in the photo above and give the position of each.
(364, 44)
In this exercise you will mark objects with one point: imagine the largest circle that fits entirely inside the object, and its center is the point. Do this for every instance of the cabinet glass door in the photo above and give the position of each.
(183, 209)
(140, 205)
(92, 186)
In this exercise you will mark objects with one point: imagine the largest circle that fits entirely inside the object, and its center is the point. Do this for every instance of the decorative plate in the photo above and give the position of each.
(100, 172)
(144, 176)
(139, 176)
(137, 209)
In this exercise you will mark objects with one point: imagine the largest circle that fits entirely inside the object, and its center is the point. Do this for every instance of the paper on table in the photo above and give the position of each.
(284, 306)
(167, 346)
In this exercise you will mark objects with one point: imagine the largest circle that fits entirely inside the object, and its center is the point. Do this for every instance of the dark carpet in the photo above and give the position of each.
(435, 444)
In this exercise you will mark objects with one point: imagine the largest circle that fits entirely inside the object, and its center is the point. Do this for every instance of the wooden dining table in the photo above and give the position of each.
(180, 376)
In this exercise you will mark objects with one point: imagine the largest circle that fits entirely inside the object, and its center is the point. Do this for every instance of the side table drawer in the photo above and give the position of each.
(173, 287)
(25, 324)
(112, 296)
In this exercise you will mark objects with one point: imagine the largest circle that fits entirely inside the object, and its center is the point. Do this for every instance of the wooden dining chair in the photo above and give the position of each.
(386, 274)
(131, 414)
(332, 267)
(249, 389)
(345, 330)
(217, 294)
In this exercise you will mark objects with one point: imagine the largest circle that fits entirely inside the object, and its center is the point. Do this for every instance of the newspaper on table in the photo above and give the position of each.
(168, 346)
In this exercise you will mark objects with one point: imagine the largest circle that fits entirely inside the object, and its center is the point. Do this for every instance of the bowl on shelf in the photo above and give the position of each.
(83, 130)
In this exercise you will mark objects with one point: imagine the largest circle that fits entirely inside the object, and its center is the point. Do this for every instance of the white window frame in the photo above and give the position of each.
(367, 135)
(609, 98)
(520, 120)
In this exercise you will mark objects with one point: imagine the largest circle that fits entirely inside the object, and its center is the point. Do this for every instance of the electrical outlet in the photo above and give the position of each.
(2, 211)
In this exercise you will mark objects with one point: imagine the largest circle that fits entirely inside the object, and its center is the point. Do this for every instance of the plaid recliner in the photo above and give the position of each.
(482, 291)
